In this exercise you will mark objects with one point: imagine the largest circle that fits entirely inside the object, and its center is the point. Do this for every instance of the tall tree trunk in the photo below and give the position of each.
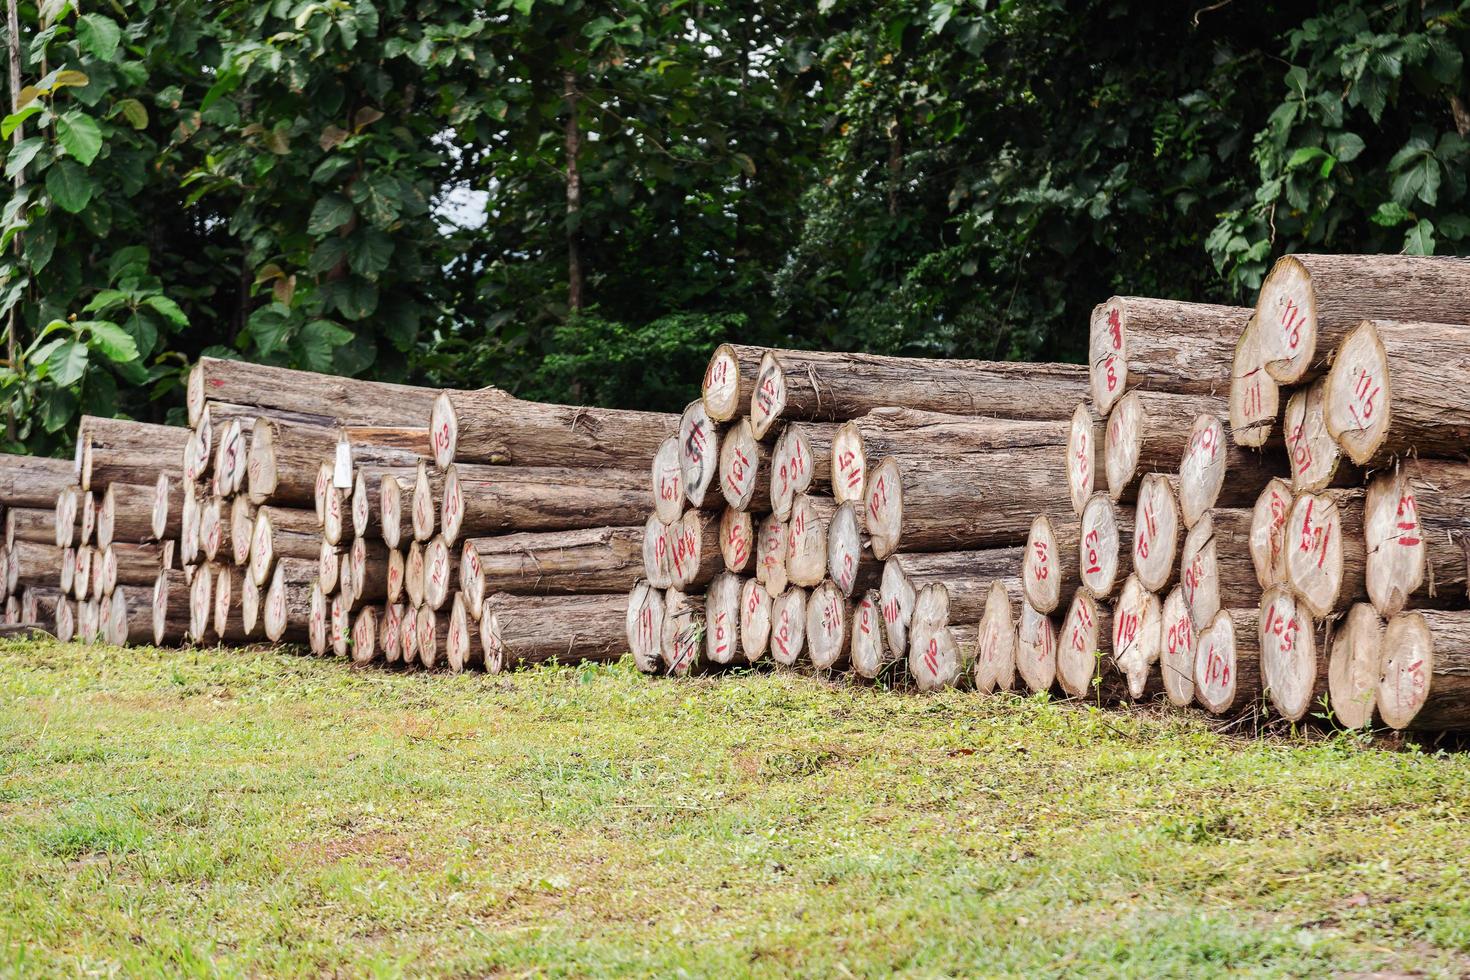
(574, 191)
(12, 39)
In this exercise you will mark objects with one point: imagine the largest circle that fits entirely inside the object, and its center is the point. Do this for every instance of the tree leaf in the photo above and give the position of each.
(105, 300)
(169, 310)
(356, 298)
(57, 408)
(16, 118)
(23, 153)
(112, 340)
(143, 332)
(1420, 239)
(270, 326)
(328, 214)
(79, 134)
(134, 112)
(66, 364)
(319, 339)
(371, 250)
(99, 35)
(69, 185)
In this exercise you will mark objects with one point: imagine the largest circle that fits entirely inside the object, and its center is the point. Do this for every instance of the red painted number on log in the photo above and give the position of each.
(1408, 520)
(1041, 564)
(879, 497)
(1365, 391)
(1094, 559)
(1291, 323)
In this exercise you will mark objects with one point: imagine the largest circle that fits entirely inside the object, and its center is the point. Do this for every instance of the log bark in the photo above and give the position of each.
(694, 550)
(801, 461)
(737, 540)
(1036, 649)
(1215, 565)
(1156, 533)
(1088, 622)
(699, 455)
(950, 503)
(1255, 398)
(850, 561)
(38, 604)
(770, 555)
(1309, 303)
(643, 625)
(1325, 552)
(1398, 389)
(599, 560)
(1176, 655)
(869, 653)
(124, 451)
(1416, 526)
(288, 601)
(1215, 472)
(1315, 457)
(1293, 675)
(1137, 342)
(729, 380)
(1049, 572)
(806, 551)
(281, 532)
(1149, 432)
(32, 563)
(131, 564)
(441, 570)
(667, 481)
(30, 524)
(129, 613)
(743, 462)
(285, 459)
(490, 426)
(833, 387)
(996, 643)
(482, 500)
(33, 481)
(346, 400)
(755, 620)
(518, 631)
(1104, 551)
(788, 626)
(1425, 666)
(1354, 665)
(1227, 662)
(964, 580)
(126, 513)
(1138, 635)
(1085, 470)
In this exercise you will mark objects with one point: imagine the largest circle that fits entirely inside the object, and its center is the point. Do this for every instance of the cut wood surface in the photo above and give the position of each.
(1049, 572)
(667, 481)
(851, 565)
(367, 569)
(1227, 662)
(131, 564)
(1315, 457)
(316, 622)
(1138, 636)
(281, 532)
(1292, 675)
(201, 606)
(346, 400)
(1325, 551)
(390, 633)
(1215, 472)
(1416, 525)
(694, 550)
(1085, 470)
(745, 467)
(597, 560)
(737, 540)
(658, 554)
(413, 575)
(722, 619)
(228, 620)
(699, 454)
(395, 489)
(869, 653)
(215, 529)
(1161, 345)
(124, 451)
(1104, 550)
(1354, 665)
(800, 461)
(68, 503)
(770, 555)
(441, 570)
(950, 503)
(1309, 303)
(1036, 649)
(1425, 674)
(251, 601)
(30, 524)
(335, 522)
(1084, 631)
(1156, 533)
(643, 626)
(1176, 655)
(833, 387)
(807, 531)
(1398, 389)
(755, 620)
(788, 626)
(1268, 532)
(432, 629)
(995, 646)
(1149, 432)
(462, 647)
(1215, 565)
(242, 528)
(365, 636)
(965, 579)
(491, 426)
(347, 456)
(168, 502)
(126, 513)
(828, 627)
(129, 613)
(483, 500)
(729, 380)
(940, 656)
(33, 481)
(1255, 398)
(682, 643)
(287, 613)
(38, 604)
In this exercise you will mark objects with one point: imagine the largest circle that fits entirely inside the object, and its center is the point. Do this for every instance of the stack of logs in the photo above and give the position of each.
(29, 487)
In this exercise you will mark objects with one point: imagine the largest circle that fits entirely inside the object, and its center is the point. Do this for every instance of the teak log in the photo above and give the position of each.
(1036, 649)
(729, 380)
(1138, 635)
(1156, 533)
(31, 524)
(699, 454)
(168, 502)
(242, 527)
(284, 460)
(1161, 345)
(129, 618)
(390, 637)
(1293, 675)
(682, 641)
(131, 564)
(1049, 572)
(33, 481)
(1315, 457)
(1105, 545)
(1083, 634)
(868, 652)
(694, 550)
(68, 502)
(833, 387)
(367, 568)
(428, 489)
(1215, 472)
(124, 451)
(432, 627)
(1149, 432)
(38, 604)
(737, 540)
(975, 501)
(522, 630)
(851, 564)
(643, 626)
(1215, 565)
(1354, 665)
(743, 461)
(667, 481)
(800, 461)
(828, 627)
(1255, 398)
(346, 400)
(962, 581)
(1426, 662)
(462, 647)
(788, 626)
(770, 555)
(229, 619)
(995, 647)
(658, 553)
(1227, 662)
(126, 513)
(598, 560)
(755, 620)
(1416, 527)
(1085, 470)
(394, 484)
(441, 569)
(288, 601)
(281, 532)
(365, 636)
(481, 500)
(722, 619)
(1398, 389)
(806, 551)
(32, 563)
(940, 655)
(1176, 656)
(1268, 532)
(316, 622)
(1325, 551)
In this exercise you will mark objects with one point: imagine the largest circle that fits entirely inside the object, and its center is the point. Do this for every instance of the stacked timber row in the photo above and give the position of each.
(1360, 548)
(535, 534)
(29, 490)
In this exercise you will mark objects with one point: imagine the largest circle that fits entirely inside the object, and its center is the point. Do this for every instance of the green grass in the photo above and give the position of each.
(256, 813)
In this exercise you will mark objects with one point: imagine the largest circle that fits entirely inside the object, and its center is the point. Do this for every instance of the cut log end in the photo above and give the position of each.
(1176, 659)
(936, 658)
(462, 645)
(161, 507)
(424, 511)
(683, 632)
(1138, 619)
(1078, 646)
(1314, 552)
(883, 507)
(667, 479)
(1407, 665)
(849, 464)
(995, 649)
(897, 598)
(1102, 555)
(390, 507)
(645, 621)
(316, 622)
(1268, 533)
(390, 633)
(365, 636)
(1036, 649)
(869, 653)
(806, 547)
(768, 399)
(699, 452)
(845, 552)
(1202, 470)
(657, 553)
(1286, 312)
(788, 626)
(452, 510)
(443, 430)
(1358, 402)
(740, 465)
(1354, 666)
(1044, 568)
(722, 619)
(1255, 398)
(737, 540)
(721, 387)
(262, 475)
(793, 468)
(1219, 651)
(1123, 444)
(770, 555)
(1107, 355)
(1288, 653)
(1156, 529)
(755, 620)
(1313, 453)
(828, 622)
(439, 572)
(1082, 468)
(1397, 549)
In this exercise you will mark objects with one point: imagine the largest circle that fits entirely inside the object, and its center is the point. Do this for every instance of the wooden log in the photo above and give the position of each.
(316, 622)
(1423, 682)
(335, 520)
(339, 627)
(1104, 552)
(66, 620)
(128, 613)
(963, 578)
(441, 570)
(801, 461)
(32, 563)
(1398, 389)
(996, 644)
(1150, 432)
(869, 653)
(643, 625)
(482, 500)
(230, 469)
(1036, 649)
(974, 501)
(413, 574)
(38, 604)
(1292, 675)
(1255, 398)
(189, 527)
(201, 606)
(397, 577)
(1156, 533)
(284, 460)
(1325, 551)
(1049, 572)
(390, 637)
(370, 502)
(806, 551)
(367, 567)
(1215, 566)
(30, 524)
(1085, 470)
(737, 540)
(166, 515)
(288, 601)
(228, 620)
(699, 454)
(722, 619)
(1354, 665)
(33, 481)
(828, 627)
(850, 562)
(1138, 635)
(365, 636)
(281, 532)
(195, 460)
(940, 656)
(64, 516)
(402, 449)
(833, 387)
(394, 518)
(1159, 344)
(252, 600)
(348, 400)
(81, 578)
(131, 564)
(329, 565)
(126, 514)
(428, 487)
(1227, 662)
(408, 634)
(242, 529)
(490, 426)
(431, 630)
(462, 646)
(1315, 457)
(215, 529)
(1176, 655)
(1309, 303)
(324, 476)
(788, 626)
(124, 451)
(1268, 532)
(89, 621)
(67, 577)
(89, 518)
(1087, 623)
(519, 631)
(598, 560)
(755, 620)
(694, 550)
(729, 380)
(658, 553)
(770, 555)
(1416, 526)
(667, 481)
(1215, 472)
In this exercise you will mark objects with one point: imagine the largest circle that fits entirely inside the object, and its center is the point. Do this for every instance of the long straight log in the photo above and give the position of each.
(284, 460)
(1309, 303)
(940, 655)
(729, 380)
(1354, 666)
(281, 532)
(1426, 662)
(518, 631)
(1416, 525)
(347, 400)
(1398, 389)
(490, 426)
(979, 500)
(833, 387)
(33, 481)
(441, 569)
(1227, 662)
(694, 550)
(788, 626)
(32, 563)
(367, 501)
(215, 528)
(962, 579)
(597, 560)
(667, 481)
(167, 514)
(367, 570)
(124, 451)
(1149, 432)
(722, 619)
(462, 646)
(131, 564)
(335, 519)
(681, 645)
(1255, 398)
(129, 617)
(30, 524)
(66, 620)
(800, 461)
(828, 627)
(1160, 345)
(482, 500)
(126, 513)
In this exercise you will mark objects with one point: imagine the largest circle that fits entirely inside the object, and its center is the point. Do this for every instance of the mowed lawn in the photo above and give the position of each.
(259, 813)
